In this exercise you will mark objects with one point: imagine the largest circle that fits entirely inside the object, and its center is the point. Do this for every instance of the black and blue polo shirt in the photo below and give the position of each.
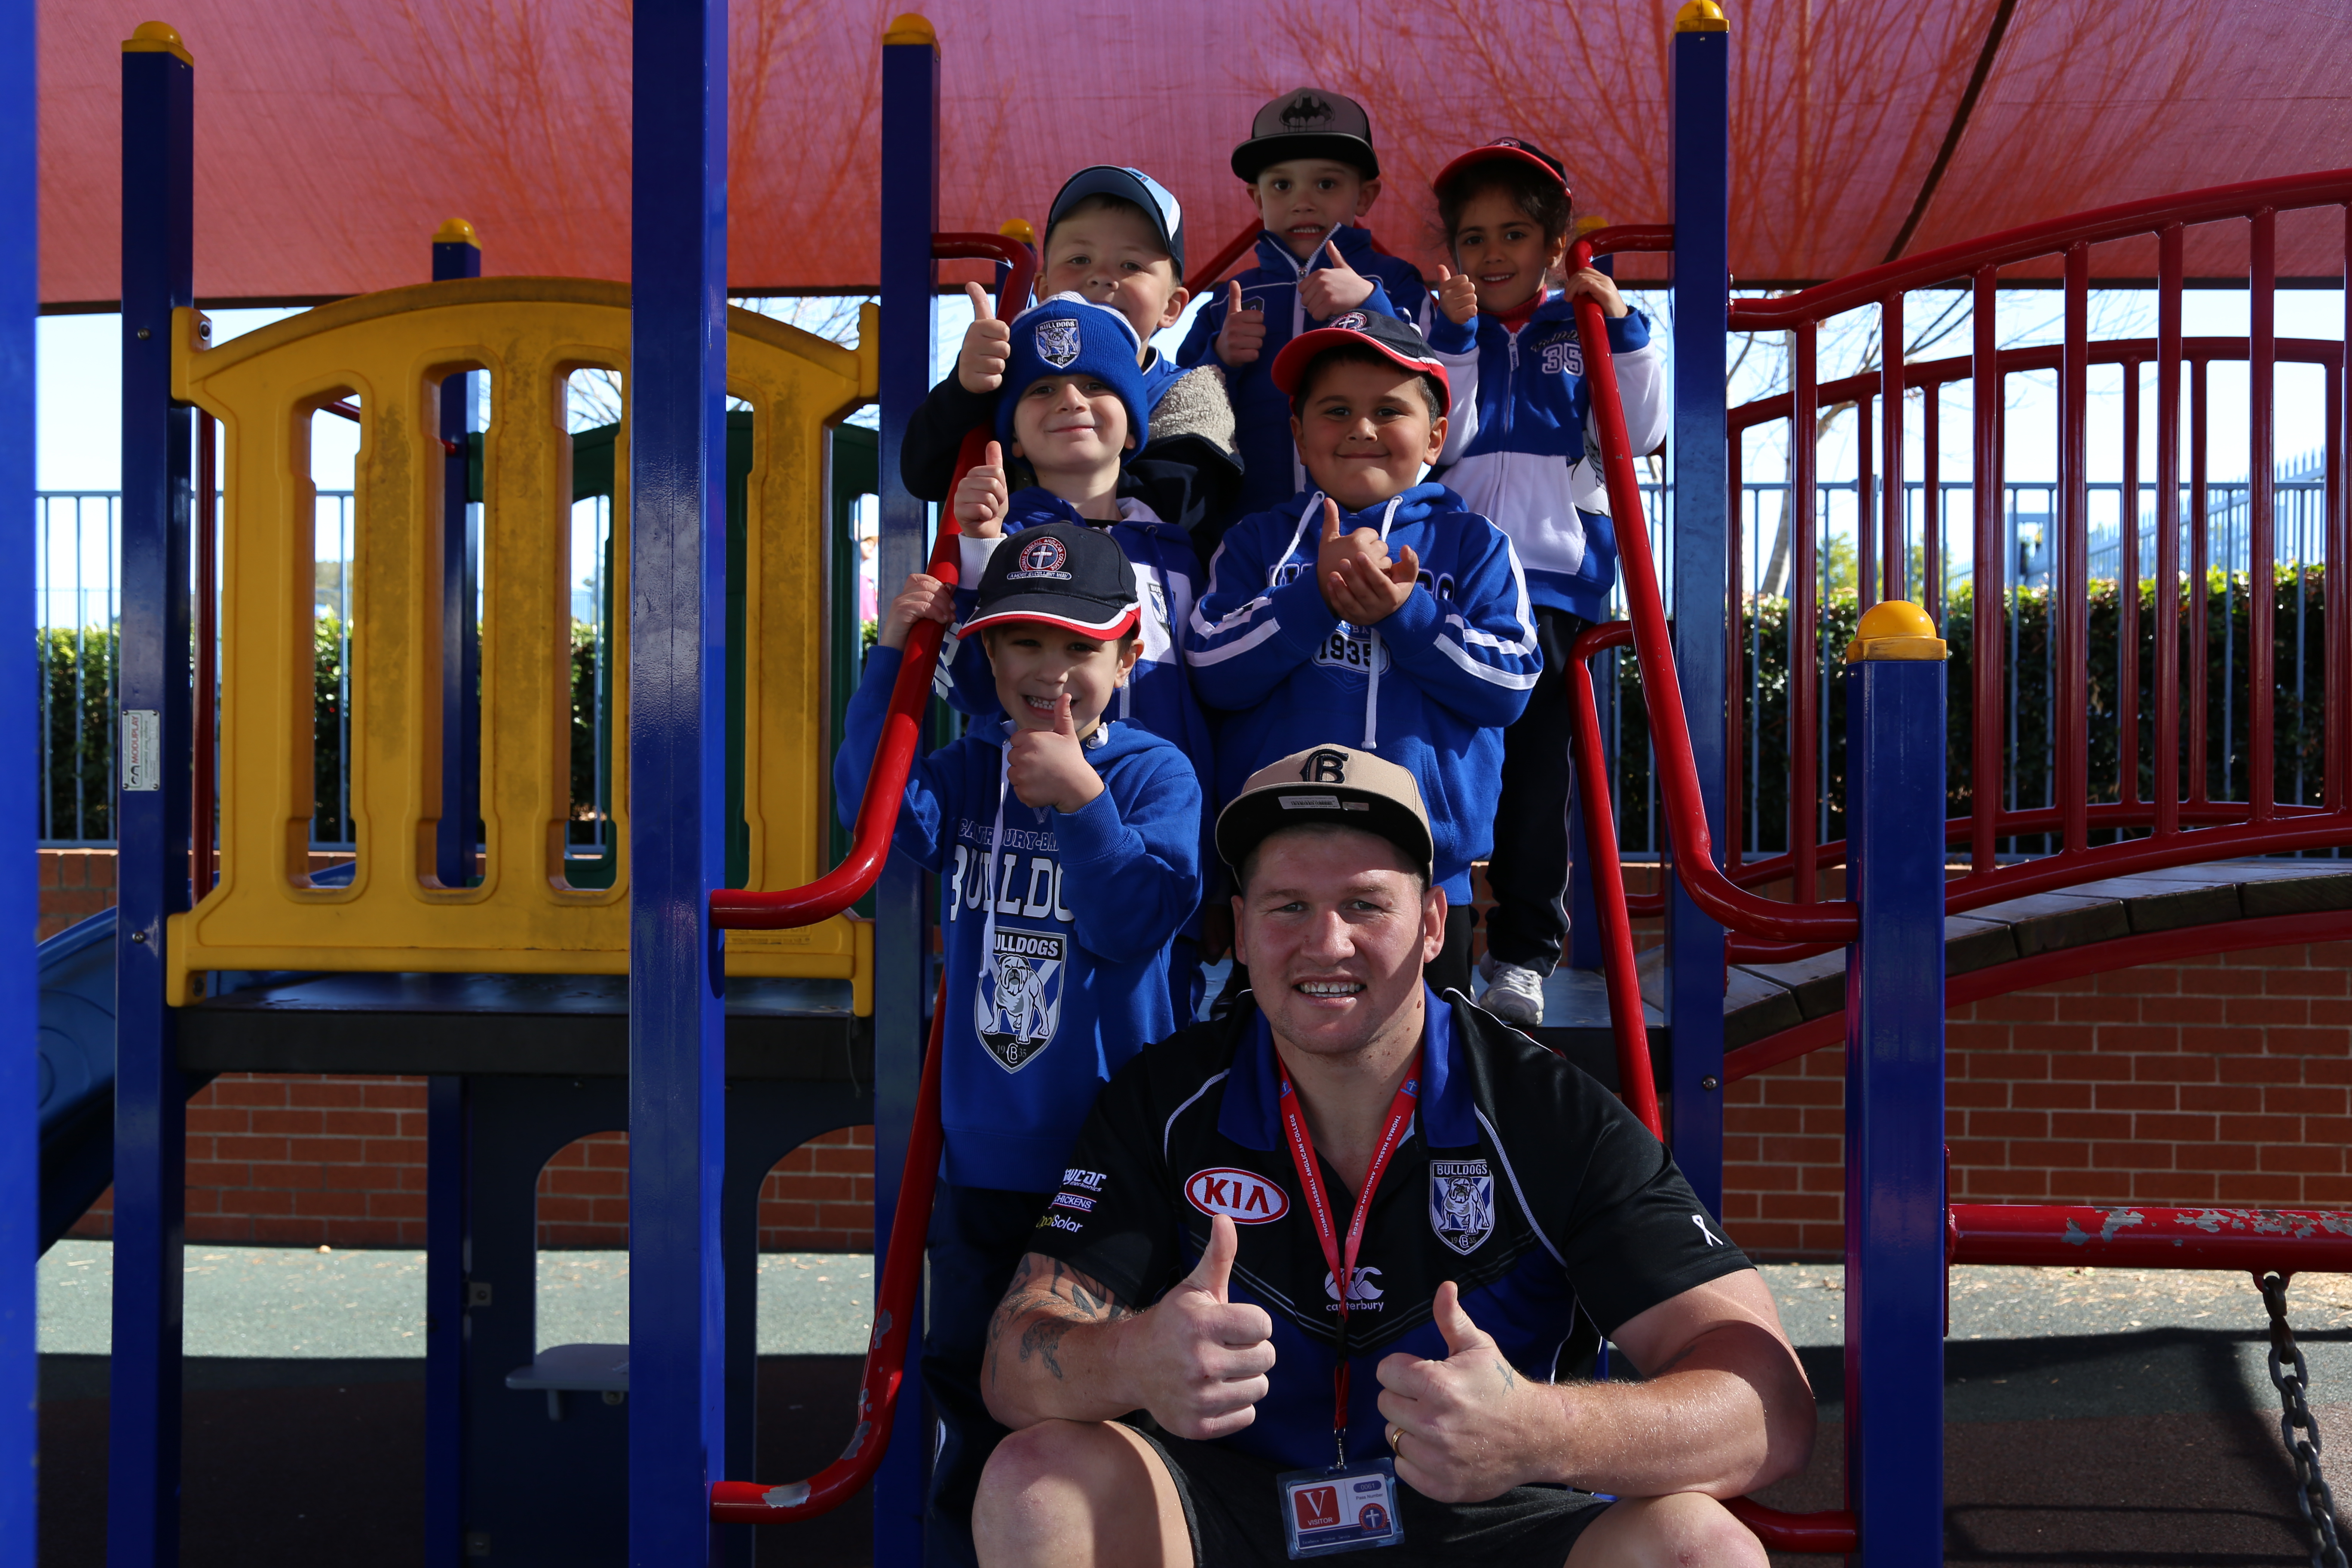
(1522, 1180)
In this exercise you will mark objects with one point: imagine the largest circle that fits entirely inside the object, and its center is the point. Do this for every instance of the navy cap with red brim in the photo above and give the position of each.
(1392, 339)
(1507, 149)
(1062, 575)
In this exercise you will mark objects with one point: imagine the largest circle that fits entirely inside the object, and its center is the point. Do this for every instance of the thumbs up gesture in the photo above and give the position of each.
(1458, 296)
(987, 345)
(1469, 1427)
(1047, 765)
(1198, 1360)
(1361, 584)
(1243, 337)
(981, 499)
(1334, 287)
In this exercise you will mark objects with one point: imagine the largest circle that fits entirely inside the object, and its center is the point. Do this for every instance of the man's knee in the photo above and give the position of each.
(1686, 1530)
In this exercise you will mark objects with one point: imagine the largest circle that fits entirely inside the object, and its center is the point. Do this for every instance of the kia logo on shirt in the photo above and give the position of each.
(1248, 1198)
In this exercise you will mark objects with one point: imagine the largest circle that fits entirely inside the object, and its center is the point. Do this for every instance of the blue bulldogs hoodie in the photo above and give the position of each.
(1431, 688)
(1057, 926)
(1270, 468)
(1516, 450)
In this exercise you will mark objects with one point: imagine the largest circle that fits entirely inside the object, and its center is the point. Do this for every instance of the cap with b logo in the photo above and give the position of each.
(1333, 785)
(1062, 574)
(1308, 123)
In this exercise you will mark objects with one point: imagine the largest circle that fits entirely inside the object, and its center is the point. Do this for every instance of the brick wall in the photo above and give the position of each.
(2221, 1081)
(75, 885)
(287, 1159)
(2224, 1081)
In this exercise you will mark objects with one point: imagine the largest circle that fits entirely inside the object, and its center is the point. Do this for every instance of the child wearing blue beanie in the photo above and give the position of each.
(1073, 406)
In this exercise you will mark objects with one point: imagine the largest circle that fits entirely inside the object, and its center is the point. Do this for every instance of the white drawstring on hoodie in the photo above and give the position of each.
(1372, 741)
(996, 871)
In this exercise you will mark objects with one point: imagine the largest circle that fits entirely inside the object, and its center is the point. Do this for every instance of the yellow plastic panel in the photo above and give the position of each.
(390, 350)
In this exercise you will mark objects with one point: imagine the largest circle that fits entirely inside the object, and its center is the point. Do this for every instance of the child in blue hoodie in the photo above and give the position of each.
(1519, 452)
(1312, 174)
(1067, 845)
(1075, 406)
(1371, 611)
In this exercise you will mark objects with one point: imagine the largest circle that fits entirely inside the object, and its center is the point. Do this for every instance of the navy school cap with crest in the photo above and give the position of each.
(1394, 340)
(1133, 186)
(1308, 123)
(1063, 574)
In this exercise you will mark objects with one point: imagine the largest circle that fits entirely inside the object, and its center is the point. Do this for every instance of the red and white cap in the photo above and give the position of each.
(1396, 341)
(1506, 150)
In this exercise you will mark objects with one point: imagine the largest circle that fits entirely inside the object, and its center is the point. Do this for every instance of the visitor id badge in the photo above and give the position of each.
(1345, 1510)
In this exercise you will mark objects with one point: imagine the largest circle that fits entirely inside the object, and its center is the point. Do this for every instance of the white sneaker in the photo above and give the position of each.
(1513, 994)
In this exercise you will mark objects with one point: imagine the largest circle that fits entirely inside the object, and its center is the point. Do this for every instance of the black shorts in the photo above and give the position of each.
(1235, 1517)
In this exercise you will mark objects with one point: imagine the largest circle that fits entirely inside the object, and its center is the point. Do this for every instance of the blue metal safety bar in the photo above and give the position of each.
(1895, 1200)
(910, 201)
(678, 732)
(447, 1110)
(20, 1089)
(142, 1501)
(1702, 295)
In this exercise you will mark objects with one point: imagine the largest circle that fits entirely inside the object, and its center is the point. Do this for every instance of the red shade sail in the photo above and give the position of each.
(334, 136)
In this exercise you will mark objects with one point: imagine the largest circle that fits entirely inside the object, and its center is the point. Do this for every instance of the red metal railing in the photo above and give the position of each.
(1980, 1233)
(895, 1316)
(2183, 823)
(898, 1293)
(738, 908)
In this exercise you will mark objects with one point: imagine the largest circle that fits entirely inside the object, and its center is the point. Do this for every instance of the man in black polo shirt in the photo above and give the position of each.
(1205, 1358)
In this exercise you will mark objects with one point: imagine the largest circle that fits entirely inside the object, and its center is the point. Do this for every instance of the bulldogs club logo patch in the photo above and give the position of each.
(1461, 1203)
(1018, 1003)
(1353, 322)
(1057, 343)
(1045, 557)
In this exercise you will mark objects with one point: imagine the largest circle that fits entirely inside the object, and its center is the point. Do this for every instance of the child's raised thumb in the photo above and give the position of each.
(1330, 519)
(995, 449)
(982, 308)
(1062, 723)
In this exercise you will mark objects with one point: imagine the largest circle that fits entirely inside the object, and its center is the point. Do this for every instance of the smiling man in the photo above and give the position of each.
(1329, 1274)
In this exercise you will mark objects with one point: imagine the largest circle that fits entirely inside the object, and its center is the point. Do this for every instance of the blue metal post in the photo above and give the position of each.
(456, 254)
(1702, 185)
(447, 1133)
(143, 1503)
(1894, 1091)
(910, 206)
(678, 737)
(20, 1089)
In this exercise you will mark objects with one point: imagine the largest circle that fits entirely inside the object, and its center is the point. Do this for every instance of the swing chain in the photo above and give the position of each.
(2311, 1493)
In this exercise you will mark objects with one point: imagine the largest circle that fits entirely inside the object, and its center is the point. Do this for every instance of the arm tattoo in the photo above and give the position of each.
(1045, 1300)
(1503, 1367)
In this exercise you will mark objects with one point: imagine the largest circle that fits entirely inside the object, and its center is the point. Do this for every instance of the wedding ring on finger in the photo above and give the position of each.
(1395, 1435)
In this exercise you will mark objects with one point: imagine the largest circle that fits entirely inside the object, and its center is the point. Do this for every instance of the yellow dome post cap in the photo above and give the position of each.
(157, 38)
(912, 28)
(1895, 628)
(457, 231)
(1019, 228)
(1701, 16)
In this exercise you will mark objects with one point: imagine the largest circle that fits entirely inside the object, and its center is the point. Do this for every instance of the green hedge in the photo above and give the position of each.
(2299, 721)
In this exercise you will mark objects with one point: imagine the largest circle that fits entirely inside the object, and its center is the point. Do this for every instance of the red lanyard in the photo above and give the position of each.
(1310, 1181)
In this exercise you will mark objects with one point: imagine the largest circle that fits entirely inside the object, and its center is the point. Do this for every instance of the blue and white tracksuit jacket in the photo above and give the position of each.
(1056, 927)
(1431, 688)
(1270, 469)
(1518, 450)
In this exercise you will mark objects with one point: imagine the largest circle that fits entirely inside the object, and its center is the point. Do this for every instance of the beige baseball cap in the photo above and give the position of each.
(1327, 783)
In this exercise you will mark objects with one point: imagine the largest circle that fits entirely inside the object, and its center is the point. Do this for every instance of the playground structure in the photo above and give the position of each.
(505, 982)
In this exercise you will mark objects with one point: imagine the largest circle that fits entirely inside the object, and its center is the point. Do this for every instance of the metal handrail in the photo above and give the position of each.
(739, 909)
(895, 1316)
